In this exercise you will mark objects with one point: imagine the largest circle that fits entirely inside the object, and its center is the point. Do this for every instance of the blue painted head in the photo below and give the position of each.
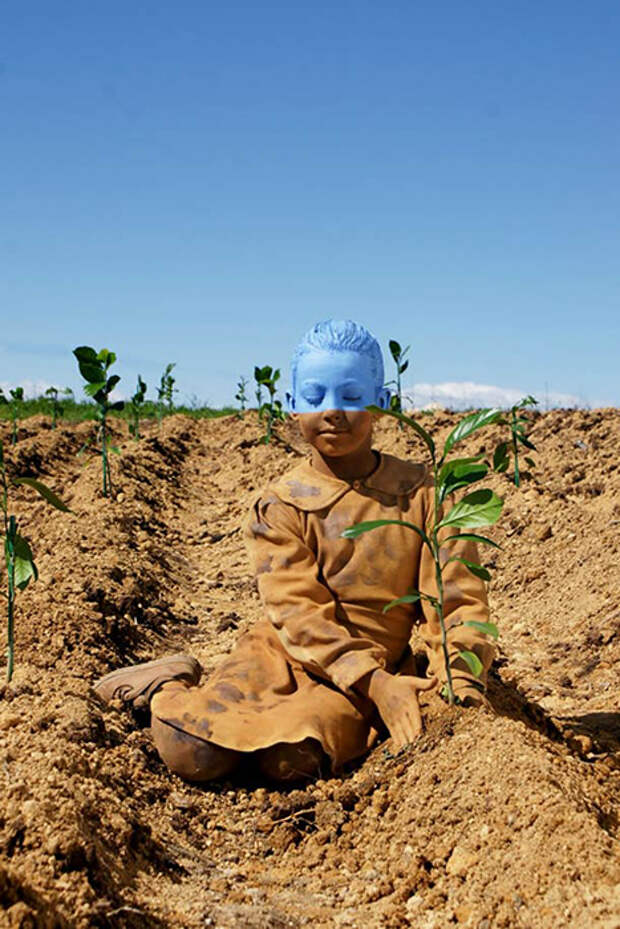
(338, 365)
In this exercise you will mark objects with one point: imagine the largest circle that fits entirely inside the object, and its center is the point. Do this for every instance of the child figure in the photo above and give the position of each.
(300, 690)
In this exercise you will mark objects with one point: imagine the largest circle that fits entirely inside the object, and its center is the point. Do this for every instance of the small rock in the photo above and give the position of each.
(460, 861)
(8, 721)
(545, 532)
(581, 445)
(181, 801)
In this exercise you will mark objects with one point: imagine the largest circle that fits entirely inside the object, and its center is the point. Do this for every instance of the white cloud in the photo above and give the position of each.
(31, 388)
(464, 394)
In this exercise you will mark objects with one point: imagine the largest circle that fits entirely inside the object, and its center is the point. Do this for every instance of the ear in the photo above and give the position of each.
(383, 398)
(290, 403)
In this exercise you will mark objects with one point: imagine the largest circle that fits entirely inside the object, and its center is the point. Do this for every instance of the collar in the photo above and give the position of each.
(308, 489)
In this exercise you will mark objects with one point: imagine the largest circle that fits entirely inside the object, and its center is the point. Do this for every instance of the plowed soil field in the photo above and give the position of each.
(502, 817)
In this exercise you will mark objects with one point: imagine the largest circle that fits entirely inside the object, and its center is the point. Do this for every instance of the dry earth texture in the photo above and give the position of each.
(502, 818)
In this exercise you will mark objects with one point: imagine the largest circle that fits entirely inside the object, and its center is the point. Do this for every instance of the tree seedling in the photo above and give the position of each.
(518, 424)
(136, 405)
(18, 557)
(477, 508)
(17, 398)
(56, 407)
(165, 391)
(398, 354)
(271, 410)
(240, 396)
(94, 368)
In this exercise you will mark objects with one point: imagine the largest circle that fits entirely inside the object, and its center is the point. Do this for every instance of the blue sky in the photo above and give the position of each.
(200, 182)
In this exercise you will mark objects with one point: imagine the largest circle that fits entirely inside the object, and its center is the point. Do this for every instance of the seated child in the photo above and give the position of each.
(301, 689)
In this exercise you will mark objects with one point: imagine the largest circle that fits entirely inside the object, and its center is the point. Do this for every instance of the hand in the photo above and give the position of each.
(396, 699)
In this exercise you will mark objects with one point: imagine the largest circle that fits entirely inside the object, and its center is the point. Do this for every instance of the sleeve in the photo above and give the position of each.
(299, 605)
(465, 599)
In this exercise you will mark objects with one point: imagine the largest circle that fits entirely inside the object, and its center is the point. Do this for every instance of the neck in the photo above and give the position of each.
(356, 466)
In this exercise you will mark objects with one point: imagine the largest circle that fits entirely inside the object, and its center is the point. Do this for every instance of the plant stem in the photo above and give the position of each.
(104, 456)
(515, 447)
(11, 531)
(14, 433)
(440, 592)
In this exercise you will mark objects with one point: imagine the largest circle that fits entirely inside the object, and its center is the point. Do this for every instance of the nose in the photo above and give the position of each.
(334, 416)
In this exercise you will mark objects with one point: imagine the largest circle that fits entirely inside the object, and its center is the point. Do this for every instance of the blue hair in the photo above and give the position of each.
(342, 335)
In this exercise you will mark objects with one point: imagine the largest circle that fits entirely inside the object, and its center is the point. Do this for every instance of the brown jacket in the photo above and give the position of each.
(325, 594)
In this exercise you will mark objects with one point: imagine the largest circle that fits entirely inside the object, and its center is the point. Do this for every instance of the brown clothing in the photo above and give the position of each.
(293, 675)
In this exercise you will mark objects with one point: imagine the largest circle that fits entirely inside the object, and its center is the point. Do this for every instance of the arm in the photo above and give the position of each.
(300, 606)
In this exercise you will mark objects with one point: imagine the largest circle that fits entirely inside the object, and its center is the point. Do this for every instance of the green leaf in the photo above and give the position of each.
(426, 438)
(526, 442)
(472, 537)
(25, 568)
(106, 357)
(118, 405)
(480, 508)
(85, 353)
(408, 598)
(44, 491)
(500, 457)
(402, 368)
(473, 662)
(530, 462)
(488, 628)
(460, 475)
(115, 449)
(352, 532)
(470, 424)
(476, 569)
(93, 373)
(111, 383)
(93, 389)
(395, 349)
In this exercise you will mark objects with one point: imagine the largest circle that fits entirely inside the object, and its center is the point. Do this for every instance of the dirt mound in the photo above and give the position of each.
(502, 818)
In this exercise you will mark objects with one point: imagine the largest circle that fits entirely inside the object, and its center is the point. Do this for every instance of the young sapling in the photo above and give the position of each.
(94, 368)
(56, 407)
(240, 396)
(476, 509)
(18, 557)
(518, 424)
(17, 398)
(136, 405)
(271, 410)
(165, 391)
(398, 354)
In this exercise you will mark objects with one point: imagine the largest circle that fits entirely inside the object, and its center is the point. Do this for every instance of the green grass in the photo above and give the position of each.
(79, 412)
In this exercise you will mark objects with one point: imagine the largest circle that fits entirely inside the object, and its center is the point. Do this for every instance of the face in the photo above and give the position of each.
(332, 391)
(335, 380)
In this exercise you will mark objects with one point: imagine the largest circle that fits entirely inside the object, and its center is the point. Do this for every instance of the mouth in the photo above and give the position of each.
(333, 432)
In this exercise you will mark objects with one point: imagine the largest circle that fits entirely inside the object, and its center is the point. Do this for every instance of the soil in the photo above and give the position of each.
(500, 817)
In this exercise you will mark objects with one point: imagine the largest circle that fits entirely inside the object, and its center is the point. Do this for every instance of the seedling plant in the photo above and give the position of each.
(136, 406)
(94, 368)
(271, 410)
(166, 391)
(18, 557)
(398, 354)
(240, 396)
(17, 398)
(57, 409)
(478, 508)
(518, 424)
